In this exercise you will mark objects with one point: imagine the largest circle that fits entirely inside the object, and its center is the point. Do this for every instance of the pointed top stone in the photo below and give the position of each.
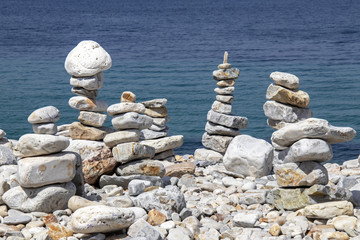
(225, 64)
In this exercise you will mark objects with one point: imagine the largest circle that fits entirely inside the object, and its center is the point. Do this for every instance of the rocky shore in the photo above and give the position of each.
(87, 181)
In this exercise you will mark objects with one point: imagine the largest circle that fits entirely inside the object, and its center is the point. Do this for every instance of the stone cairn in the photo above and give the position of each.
(222, 126)
(86, 63)
(301, 143)
(45, 171)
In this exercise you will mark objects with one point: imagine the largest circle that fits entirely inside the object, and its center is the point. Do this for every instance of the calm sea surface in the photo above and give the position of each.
(168, 49)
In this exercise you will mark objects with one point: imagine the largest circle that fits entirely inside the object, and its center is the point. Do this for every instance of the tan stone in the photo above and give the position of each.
(334, 235)
(177, 170)
(3, 211)
(79, 131)
(343, 223)
(58, 231)
(329, 210)
(155, 217)
(226, 83)
(76, 202)
(275, 230)
(321, 228)
(158, 112)
(128, 97)
(280, 94)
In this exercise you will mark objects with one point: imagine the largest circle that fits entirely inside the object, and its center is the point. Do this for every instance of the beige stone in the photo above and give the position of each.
(226, 83)
(179, 169)
(86, 104)
(76, 202)
(334, 235)
(329, 210)
(344, 223)
(158, 112)
(275, 230)
(92, 119)
(155, 217)
(79, 131)
(280, 94)
(125, 107)
(128, 97)
(115, 138)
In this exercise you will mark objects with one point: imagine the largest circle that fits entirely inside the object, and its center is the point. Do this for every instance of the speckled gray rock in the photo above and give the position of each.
(224, 90)
(6, 156)
(155, 103)
(249, 156)
(141, 167)
(94, 219)
(166, 143)
(45, 128)
(125, 107)
(44, 199)
(225, 98)
(147, 134)
(89, 83)
(115, 138)
(164, 155)
(226, 74)
(86, 104)
(227, 120)
(141, 228)
(87, 59)
(123, 181)
(287, 80)
(215, 129)
(216, 142)
(286, 113)
(40, 144)
(131, 120)
(166, 200)
(92, 118)
(92, 94)
(221, 107)
(126, 152)
(46, 114)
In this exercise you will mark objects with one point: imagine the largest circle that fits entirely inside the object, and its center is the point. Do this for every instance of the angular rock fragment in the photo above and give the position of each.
(287, 80)
(286, 113)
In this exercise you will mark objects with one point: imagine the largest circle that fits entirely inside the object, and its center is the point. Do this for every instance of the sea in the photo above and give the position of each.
(168, 49)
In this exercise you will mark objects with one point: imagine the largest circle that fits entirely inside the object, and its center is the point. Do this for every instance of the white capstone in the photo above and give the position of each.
(125, 107)
(287, 80)
(46, 114)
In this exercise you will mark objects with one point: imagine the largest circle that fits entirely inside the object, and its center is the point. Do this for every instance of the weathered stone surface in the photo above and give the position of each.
(92, 118)
(155, 103)
(94, 219)
(161, 122)
(221, 107)
(76, 202)
(203, 154)
(300, 174)
(16, 217)
(156, 112)
(141, 167)
(137, 186)
(92, 94)
(287, 80)
(276, 124)
(164, 155)
(166, 200)
(227, 120)
(45, 128)
(85, 148)
(249, 156)
(216, 142)
(89, 83)
(215, 129)
(40, 144)
(131, 120)
(307, 150)
(180, 233)
(126, 152)
(86, 104)
(123, 181)
(100, 163)
(280, 94)
(142, 230)
(311, 128)
(87, 59)
(45, 170)
(44, 199)
(286, 113)
(48, 114)
(253, 197)
(227, 74)
(224, 90)
(329, 210)
(79, 131)
(179, 169)
(225, 98)
(246, 219)
(155, 217)
(115, 138)
(6, 156)
(226, 83)
(166, 143)
(2, 133)
(147, 134)
(157, 128)
(125, 107)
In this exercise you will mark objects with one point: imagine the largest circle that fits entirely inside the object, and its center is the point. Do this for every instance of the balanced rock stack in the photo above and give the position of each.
(222, 126)
(44, 171)
(86, 63)
(301, 144)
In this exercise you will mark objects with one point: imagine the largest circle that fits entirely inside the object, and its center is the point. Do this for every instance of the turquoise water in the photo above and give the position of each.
(166, 49)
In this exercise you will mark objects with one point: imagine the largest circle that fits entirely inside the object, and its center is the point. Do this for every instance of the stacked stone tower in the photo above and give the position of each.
(222, 126)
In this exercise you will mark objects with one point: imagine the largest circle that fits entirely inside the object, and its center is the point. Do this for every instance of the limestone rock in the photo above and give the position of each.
(6, 156)
(216, 142)
(125, 107)
(215, 129)
(155, 103)
(147, 134)
(123, 181)
(227, 120)
(85, 148)
(155, 217)
(203, 154)
(2, 133)
(45, 170)
(286, 113)
(76, 202)
(79, 131)
(45, 128)
(312, 128)
(44, 199)
(227, 74)
(89, 83)
(92, 119)
(87, 59)
(161, 122)
(280, 94)
(40, 144)
(141, 167)
(92, 94)
(220, 107)
(287, 80)
(300, 174)
(94, 219)
(16, 217)
(225, 98)
(115, 138)
(131, 120)
(226, 83)
(126, 152)
(86, 104)
(329, 210)
(164, 144)
(48, 114)
(249, 156)
(156, 112)
(128, 96)
(224, 90)
(179, 169)
(276, 124)
(143, 230)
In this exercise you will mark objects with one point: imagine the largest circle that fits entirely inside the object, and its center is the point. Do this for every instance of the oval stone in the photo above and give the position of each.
(48, 114)
(86, 104)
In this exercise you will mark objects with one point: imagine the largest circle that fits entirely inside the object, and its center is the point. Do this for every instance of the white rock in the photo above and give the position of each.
(87, 59)
(137, 186)
(221, 107)
(329, 210)
(246, 219)
(227, 120)
(92, 118)
(85, 148)
(179, 233)
(203, 154)
(126, 152)
(216, 142)
(48, 114)
(6, 156)
(225, 90)
(155, 103)
(45, 128)
(89, 83)
(249, 156)
(94, 219)
(115, 138)
(141, 228)
(225, 98)
(287, 80)
(164, 144)
(345, 223)
(125, 107)
(282, 112)
(86, 104)
(215, 129)
(131, 120)
(147, 134)
(2, 133)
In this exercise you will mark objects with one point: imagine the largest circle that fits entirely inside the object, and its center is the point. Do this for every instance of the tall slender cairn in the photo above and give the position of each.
(222, 126)
(86, 63)
(301, 144)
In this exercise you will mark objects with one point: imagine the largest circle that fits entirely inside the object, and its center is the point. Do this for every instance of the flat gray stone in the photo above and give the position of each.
(16, 217)
(226, 74)
(115, 138)
(155, 103)
(141, 167)
(123, 181)
(92, 119)
(161, 122)
(224, 90)
(220, 107)
(225, 98)
(215, 129)
(131, 120)
(147, 134)
(137, 186)
(45, 128)
(166, 143)
(286, 113)
(86, 104)
(89, 83)
(48, 114)
(165, 154)
(92, 94)
(287, 80)
(125, 107)
(6, 156)
(227, 120)
(126, 152)
(216, 142)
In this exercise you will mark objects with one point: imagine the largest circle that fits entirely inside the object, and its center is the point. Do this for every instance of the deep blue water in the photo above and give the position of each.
(168, 49)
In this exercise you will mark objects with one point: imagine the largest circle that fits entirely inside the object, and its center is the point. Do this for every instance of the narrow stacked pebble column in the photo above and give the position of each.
(86, 63)
(222, 126)
(45, 172)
